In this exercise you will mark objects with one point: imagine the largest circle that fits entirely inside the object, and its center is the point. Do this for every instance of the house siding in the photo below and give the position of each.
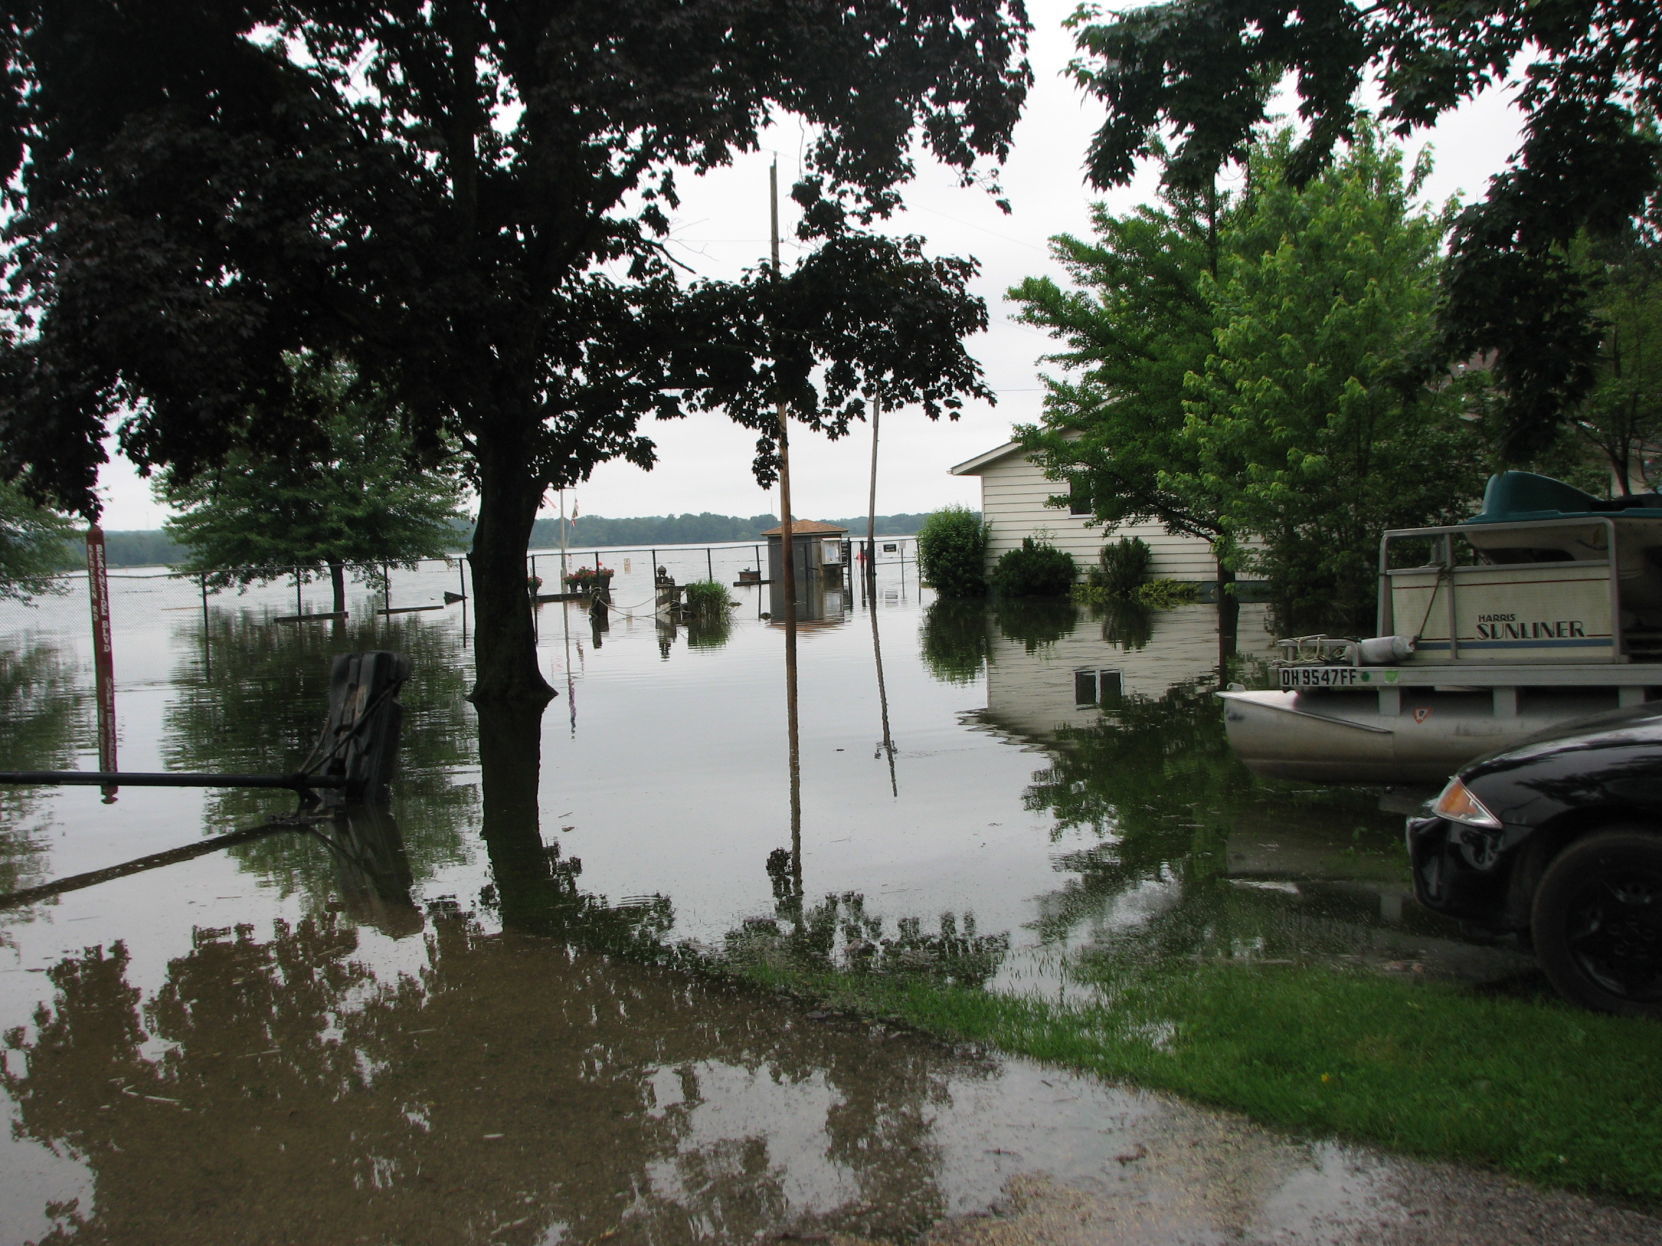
(1013, 495)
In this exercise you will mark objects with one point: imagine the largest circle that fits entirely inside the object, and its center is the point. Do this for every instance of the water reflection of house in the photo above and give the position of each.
(1036, 686)
(820, 562)
(1014, 497)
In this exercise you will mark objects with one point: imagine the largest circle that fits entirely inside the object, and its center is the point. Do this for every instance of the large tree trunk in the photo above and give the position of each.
(504, 640)
(1229, 618)
(337, 584)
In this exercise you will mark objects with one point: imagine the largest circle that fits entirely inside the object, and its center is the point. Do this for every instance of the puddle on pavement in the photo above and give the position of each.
(411, 1035)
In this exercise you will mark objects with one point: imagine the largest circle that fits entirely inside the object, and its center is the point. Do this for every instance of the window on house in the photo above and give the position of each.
(1079, 496)
(1095, 687)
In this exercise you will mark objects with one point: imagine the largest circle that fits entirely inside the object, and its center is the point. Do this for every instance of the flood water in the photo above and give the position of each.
(416, 1027)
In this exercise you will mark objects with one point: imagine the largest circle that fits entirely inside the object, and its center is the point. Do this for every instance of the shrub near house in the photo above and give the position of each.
(1036, 569)
(952, 552)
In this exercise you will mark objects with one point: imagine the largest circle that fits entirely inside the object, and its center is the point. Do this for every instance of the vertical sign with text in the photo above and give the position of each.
(103, 650)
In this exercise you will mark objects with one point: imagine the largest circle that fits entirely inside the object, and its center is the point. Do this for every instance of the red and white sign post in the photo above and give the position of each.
(103, 652)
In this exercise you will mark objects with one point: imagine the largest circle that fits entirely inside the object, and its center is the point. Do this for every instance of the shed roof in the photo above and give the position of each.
(806, 527)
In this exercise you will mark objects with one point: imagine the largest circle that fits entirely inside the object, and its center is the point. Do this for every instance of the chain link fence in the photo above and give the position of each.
(143, 597)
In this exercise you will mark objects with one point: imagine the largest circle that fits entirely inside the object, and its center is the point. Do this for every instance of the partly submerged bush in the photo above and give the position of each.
(1164, 594)
(1037, 569)
(707, 599)
(1122, 566)
(708, 614)
(952, 552)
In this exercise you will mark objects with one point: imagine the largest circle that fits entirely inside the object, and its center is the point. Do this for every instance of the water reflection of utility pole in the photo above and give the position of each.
(571, 687)
(887, 746)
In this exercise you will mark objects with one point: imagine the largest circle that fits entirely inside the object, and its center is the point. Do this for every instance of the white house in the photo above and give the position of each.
(1013, 496)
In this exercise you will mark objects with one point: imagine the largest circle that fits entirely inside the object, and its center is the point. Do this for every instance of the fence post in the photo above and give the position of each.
(207, 645)
(709, 562)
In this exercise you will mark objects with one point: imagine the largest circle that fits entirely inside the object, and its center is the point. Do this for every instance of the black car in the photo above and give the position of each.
(1559, 839)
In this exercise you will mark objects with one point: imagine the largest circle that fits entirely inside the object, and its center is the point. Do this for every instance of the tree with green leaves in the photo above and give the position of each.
(1133, 323)
(34, 546)
(471, 200)
(1325, 413)
(1265, 375)
(356, 507)
(1621, 418)
(1190, 82)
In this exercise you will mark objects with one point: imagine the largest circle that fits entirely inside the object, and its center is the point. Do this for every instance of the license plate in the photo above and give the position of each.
(1320, 677)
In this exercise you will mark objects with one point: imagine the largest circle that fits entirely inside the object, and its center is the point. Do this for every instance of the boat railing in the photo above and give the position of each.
(1554, 593)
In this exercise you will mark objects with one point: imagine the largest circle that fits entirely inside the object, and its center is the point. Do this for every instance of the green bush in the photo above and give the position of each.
(707, 599)
(1122, 566)
(1037, 569)
(1164, 594)
(952, 552)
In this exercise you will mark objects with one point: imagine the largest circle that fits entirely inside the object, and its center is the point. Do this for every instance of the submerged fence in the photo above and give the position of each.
(145, 594)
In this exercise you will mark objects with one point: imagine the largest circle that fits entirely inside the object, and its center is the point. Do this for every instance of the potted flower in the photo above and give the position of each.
(589, 579)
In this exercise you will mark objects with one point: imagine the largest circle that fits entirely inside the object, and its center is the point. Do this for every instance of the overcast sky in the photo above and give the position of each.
(703, 462)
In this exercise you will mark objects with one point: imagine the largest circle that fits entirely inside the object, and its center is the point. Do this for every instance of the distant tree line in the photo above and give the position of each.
(134, 548)
(154, 548)
(688, 529)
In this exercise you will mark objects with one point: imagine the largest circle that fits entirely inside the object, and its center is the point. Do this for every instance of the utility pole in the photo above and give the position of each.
(871, 501)
(788, 585)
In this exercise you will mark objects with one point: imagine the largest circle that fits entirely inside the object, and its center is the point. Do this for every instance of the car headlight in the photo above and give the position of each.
(1458, 804)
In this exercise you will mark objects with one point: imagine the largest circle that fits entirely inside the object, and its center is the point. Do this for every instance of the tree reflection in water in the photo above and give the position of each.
(1156, 787)
(954, 639)
(262, 713)
(1038, 622)
(1127, 623)
(534, 885)
(44, 719)
(515, 1088)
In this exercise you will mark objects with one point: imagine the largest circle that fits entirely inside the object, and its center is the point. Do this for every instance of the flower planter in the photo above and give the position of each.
(589, 582)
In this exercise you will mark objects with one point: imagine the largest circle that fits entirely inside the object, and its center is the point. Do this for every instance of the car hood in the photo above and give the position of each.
(1635, 724)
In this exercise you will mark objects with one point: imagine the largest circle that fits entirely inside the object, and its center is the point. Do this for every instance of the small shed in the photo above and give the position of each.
(821, 550)
(821, 567)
